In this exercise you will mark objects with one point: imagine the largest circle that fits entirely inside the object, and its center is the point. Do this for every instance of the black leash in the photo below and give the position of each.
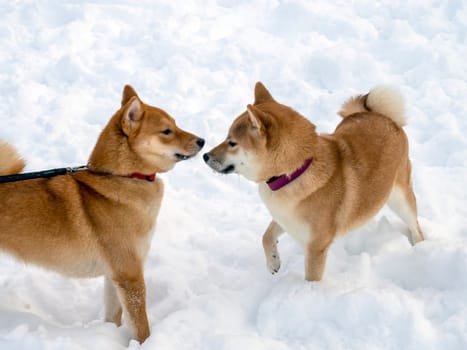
(41, 174)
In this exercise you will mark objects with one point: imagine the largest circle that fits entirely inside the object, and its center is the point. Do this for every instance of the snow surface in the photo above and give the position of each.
(62, 68)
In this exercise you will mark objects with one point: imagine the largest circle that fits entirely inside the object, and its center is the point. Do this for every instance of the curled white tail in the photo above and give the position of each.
(382, 99)
(388, 101)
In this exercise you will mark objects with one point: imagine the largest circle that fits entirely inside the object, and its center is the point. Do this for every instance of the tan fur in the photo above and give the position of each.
(10, 161)
(354, 171)
(99, 221)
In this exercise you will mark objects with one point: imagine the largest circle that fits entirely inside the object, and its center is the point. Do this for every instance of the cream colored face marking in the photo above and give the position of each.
(151, 146)
(245, 164)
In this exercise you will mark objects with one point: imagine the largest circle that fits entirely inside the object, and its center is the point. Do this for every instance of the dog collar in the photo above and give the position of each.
(277, 182)
(150, 177)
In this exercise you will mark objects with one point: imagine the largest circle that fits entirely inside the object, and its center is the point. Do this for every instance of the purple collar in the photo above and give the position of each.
(277, 182)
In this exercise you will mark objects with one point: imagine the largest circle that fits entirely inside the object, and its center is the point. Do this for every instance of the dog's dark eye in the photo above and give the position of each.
(232, 144)
(166, 132)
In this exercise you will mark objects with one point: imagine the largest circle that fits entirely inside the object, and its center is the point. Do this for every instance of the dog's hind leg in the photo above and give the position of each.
(113, 308)
(402, 202)
(273, 260)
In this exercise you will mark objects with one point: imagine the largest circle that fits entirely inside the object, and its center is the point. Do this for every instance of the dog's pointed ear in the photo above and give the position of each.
(131, 115)
(254, 115)
(262, 94)
(128, 93)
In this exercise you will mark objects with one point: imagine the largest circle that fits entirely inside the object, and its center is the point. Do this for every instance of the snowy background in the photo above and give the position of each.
(63, 65)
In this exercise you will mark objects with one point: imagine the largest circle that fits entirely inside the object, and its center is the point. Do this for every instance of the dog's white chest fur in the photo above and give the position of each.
(284, 213)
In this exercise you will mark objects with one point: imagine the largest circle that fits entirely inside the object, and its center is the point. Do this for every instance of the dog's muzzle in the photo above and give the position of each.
(218, 166)
(199, 143)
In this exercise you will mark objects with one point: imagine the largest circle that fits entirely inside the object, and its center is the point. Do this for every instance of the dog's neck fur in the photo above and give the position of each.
(277, 182)
(290, 139)
(114, 155)
(314, 146)
(287, 154)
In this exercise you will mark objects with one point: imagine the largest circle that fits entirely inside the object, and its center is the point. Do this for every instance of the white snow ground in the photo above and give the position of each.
(62, 68)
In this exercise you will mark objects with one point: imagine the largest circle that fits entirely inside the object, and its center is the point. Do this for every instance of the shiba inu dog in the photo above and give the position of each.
(99, 221)
(318, 187)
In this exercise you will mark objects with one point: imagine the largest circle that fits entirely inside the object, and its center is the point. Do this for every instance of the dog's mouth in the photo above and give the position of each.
(229, 169)
(179, 156)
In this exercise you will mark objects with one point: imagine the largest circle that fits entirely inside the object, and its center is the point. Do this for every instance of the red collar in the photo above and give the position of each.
(150, 177)
(277, 182)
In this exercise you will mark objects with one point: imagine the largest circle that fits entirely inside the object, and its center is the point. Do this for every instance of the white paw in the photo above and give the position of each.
(273, 263)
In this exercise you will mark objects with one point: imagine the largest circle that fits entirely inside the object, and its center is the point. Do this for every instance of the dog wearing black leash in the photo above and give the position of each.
(99, 221)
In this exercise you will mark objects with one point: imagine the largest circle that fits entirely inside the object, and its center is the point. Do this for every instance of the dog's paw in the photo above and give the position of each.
(274, 263)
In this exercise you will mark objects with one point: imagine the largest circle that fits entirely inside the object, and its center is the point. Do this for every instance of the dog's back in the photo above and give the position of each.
(10, 161)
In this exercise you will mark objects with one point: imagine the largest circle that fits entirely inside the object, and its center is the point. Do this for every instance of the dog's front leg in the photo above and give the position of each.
(113, 308)
(132, 293)
(273, 260)
(315, 258)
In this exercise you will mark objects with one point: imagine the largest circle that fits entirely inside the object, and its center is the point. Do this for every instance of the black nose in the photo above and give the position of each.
(200, 143)
(206, 157)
